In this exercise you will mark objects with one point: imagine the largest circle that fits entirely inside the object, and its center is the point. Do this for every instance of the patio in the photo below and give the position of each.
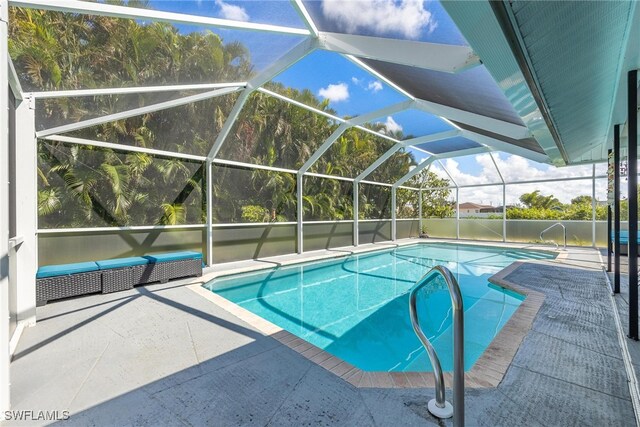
(153, 140)
(163, 355)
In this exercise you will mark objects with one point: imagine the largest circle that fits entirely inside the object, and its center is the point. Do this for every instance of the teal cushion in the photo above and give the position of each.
(122, 262)
(64, 269)
(624, 237)
(173, 256)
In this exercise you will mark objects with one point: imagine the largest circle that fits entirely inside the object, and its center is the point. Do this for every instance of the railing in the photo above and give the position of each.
(439, 407)
(564, 232)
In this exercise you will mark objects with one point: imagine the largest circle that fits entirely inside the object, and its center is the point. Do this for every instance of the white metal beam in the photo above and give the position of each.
(370, 116)
(301, 105)
(457, 213)
(322, 175)
(324, 147)
(496, 166)
(163, 153)
(5, 311)
(294, 55)
(422, 183)
(380, 184)
(209, 198)
(497, 145)
(444, 168)
(430, 138)
(394, 214)
(449, 113)
(403, 144)
(476, 120)
(355, 121)
(136, 112)
(535, 181)
(114, 11)
(306, 18)
(504, 212)
(298, 52)
(378, 134)
(121, 147)
(228, 123)
(235, 164)
(421, 150)
(390, 152)
(299, 214)
(413, 172)
(431, 159)
(433, 56)
(385, 111)
(420, 212)
(26, 211)
(461, 153)
(14, 82)
(378, 75)
(356, 214)
(131, 90)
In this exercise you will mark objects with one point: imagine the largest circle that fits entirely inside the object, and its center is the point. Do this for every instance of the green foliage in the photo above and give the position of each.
(580, 209)
(252, 213)
(174, 214)
(581, 200)
(82, 186)
(436, 202)
(537, 200)
(533, 213)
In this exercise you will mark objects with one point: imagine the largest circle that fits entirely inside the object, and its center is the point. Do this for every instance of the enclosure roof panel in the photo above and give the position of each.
(528, 143)
(473, 90)
(345, 60)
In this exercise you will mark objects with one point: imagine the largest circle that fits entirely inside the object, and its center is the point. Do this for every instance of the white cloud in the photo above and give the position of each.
(513, 169)
(407, 17)
(335, 92)
(392, 125)
(374, 86)
(233, 12)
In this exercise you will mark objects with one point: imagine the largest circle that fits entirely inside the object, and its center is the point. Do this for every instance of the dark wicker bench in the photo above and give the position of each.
(117, 274)
(167, 266)
(69, 280)
(624, 242)
(63, 281)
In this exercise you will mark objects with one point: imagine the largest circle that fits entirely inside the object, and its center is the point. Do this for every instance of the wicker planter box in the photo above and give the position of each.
(52, 288)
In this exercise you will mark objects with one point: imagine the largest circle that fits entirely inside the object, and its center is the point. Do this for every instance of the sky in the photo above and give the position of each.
(516, 168)
(352, 91)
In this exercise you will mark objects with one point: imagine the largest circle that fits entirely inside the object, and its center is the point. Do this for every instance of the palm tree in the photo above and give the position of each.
(82, 186)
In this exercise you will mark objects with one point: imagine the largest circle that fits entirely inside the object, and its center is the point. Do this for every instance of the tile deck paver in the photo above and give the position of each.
(163, 355)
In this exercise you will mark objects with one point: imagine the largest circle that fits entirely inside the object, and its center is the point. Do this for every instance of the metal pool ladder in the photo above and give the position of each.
(564, 232)
(439, 407)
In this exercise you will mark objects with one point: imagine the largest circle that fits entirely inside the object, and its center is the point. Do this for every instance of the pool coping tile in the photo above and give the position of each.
(487, 372)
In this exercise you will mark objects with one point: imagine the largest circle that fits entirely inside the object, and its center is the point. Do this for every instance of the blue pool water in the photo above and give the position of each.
(357, 307)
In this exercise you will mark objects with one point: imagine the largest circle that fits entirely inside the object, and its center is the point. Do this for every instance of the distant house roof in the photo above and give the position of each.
(471, 205)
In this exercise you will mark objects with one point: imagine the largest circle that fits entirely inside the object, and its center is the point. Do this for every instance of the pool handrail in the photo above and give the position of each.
(564, 231)
(439, 407)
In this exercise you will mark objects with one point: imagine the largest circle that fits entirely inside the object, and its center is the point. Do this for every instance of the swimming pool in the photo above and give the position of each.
(357, 307)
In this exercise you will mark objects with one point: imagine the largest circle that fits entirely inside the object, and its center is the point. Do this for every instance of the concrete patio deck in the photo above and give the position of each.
(163, 355)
